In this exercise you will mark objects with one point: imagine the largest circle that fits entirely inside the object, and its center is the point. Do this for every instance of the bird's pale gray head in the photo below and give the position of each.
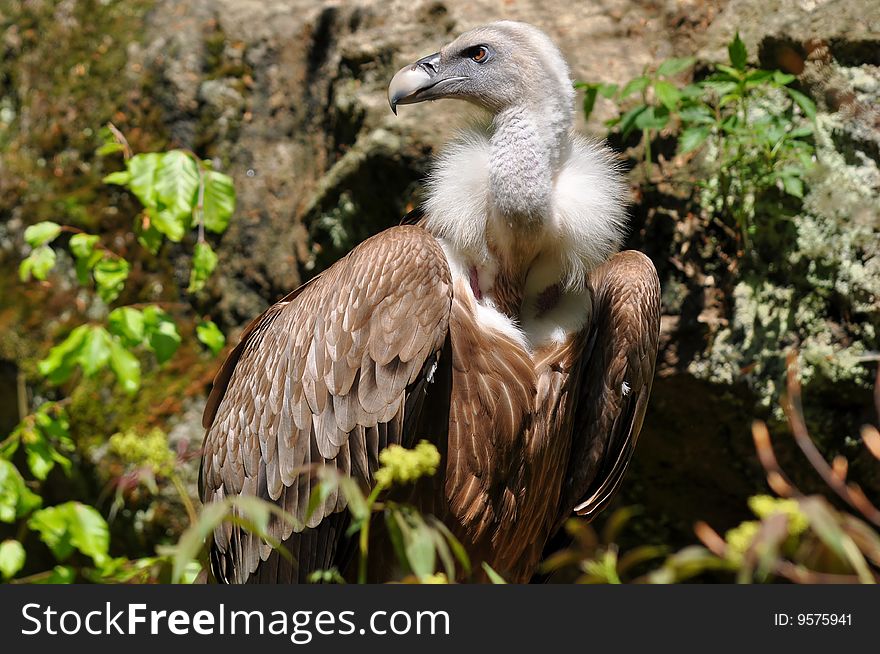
(500, 65)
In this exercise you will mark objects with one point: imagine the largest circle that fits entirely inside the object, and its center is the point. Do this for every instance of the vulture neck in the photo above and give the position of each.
(524, 210)
(527, 145)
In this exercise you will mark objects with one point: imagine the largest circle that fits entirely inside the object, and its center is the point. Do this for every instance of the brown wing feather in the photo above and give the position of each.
(323, 378)
(617, 364)
(491, 403)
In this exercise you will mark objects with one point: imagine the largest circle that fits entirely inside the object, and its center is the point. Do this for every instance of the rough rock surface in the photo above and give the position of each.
(306, 129)
(289, 98)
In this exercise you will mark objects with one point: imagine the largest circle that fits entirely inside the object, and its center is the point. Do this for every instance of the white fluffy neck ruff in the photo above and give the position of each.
(587, 209)
(585, 224)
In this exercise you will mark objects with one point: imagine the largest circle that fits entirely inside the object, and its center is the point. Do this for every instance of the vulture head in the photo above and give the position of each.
(499, 66)
(524, 208)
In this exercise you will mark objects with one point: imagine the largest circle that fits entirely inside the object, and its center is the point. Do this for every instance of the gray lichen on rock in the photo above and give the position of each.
(826, 302)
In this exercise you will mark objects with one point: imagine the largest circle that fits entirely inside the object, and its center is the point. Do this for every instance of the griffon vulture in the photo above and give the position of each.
(503, 326)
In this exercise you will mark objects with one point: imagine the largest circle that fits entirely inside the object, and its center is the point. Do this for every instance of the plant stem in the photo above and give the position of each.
(364, 545)
(21, 391)
(198, 210)
(184, 497)
(364, 540)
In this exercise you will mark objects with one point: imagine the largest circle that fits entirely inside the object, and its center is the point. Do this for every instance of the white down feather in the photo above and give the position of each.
(587, 226)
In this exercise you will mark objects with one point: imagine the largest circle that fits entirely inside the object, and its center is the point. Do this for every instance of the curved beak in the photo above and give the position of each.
(418, 82)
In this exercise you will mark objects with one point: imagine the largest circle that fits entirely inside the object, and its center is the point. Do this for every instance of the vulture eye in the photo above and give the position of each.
(479, 53)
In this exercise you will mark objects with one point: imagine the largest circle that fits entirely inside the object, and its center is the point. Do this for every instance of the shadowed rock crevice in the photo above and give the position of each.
(289, 98)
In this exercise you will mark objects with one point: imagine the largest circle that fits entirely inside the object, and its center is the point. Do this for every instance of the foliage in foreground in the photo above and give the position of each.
(795, 537)
(179, 193)
(425, 550)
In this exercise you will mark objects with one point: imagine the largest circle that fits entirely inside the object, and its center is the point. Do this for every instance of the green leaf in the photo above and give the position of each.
(692, 138)
(204, 263)
(150, 238)
(793, 186)
(737, 52)
(42, 456)
(454, 544)
(219, 201)
(52, 420)
(607, 90)
(83, 245)
(110, 275)
(16, 499)
(720, 87)
(627, 121)
(444, 553)
(83, 248)
(12, 558)
(320, 492)
(758, 76)
(193, 538)
(824, 522)
(801, 132)
(730, 124)
(210, 334)
(120, 177)
(125, 366)
(9, 445)
(699, 115)
(95, 351)
(636, 85)
(128, 324)
(109, 148)
(72, 526)
(177, 179)
(667, 94)
(652, 118)
(62, 359)
(38, 264)
(691, 91)
(806, 105)
(39, 460)
(417, 540)
(142, 169)
(782, 78)
(162, 336)
(732, 73)
(494, 577)
(257, 511)
(674, 66)
(170, 224)
(590, 93)
(251, 513)
(357, 503)
(41, 233)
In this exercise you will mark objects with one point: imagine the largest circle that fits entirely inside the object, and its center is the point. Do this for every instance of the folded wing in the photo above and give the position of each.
(617, 369)
(328, 376)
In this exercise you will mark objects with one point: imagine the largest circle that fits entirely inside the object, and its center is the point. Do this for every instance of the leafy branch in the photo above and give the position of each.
(421, 543)
(179, 193)
(753, 129)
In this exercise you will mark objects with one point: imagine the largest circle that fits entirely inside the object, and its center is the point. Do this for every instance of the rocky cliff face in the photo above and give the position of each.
(289, 98)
